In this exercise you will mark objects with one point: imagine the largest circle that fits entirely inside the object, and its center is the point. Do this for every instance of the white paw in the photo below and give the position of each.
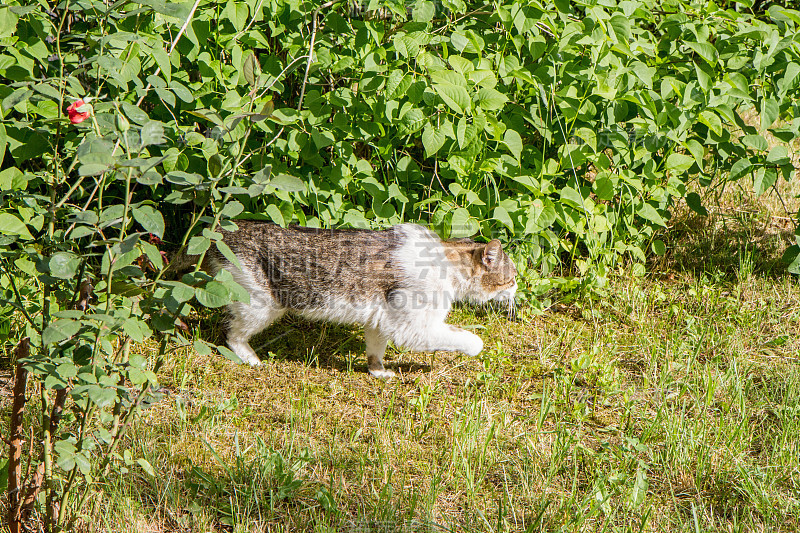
(253, 361)
(473, 346)
(245, 353)
(382, 374)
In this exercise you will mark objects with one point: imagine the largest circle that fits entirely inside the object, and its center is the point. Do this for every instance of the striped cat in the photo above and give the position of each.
(398, 283)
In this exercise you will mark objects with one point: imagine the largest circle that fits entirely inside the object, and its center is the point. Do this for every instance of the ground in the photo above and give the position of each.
(669, 402)
(670, 405)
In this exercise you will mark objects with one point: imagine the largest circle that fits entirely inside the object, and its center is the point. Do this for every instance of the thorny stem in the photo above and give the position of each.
(15, 439)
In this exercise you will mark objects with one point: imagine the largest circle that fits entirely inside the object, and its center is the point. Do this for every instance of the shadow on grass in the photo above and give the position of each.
(314, 343)
(730, 247)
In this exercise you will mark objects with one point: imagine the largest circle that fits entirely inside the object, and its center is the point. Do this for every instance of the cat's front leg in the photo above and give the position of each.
(376, 348)
(464, 341)
(446, 338)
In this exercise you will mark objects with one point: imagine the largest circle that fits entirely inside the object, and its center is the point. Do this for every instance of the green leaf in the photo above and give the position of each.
(202, 348)
(604, 188)
(3, 145)
(181, 91)
(147, 467)
(397, 84)
(181, 292)
(60, 330)
(64, 265)
(66, 454)
(11, 225)
(792, 258)
(541, 215)
(134, 113)
(769, 112)
(251, 68)
(502, 215)
(207, 114)
(162, 60)
(644, 73)
(136, 329)
(572, 197)
(152, 133)
(238, 293)
(465, 132)
(790, 80)
(232, 208)
(461, 64)
(3, 476)
(454, 96)
(275, 214)
(756, 142)
(225, 250)
(778, 155)
(432, 139)
(739, 169)
(151, 220)
(15, 98)
(490, 99)
(423, 11)
(513, 141)
(229, 354)
(658, 247)
(214, 166)
(589, 136)
(198, 245)
(679, 163)
(648, 212)
(763, 179)
(66, 370)
(705, 50)
(47, 90)
(285, 182)
(696, 204)
(640, 486)
(462, 224)
(712, 120)
(92, 169)
(214, 294)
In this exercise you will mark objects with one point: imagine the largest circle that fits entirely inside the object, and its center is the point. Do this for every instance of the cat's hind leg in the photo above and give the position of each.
(246, 320)
(376, 348)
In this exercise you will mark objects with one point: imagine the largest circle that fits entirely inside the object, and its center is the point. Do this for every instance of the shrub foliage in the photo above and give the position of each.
(568, 130)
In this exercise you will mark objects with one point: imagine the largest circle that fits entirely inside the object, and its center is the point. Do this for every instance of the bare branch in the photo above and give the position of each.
(16, 438)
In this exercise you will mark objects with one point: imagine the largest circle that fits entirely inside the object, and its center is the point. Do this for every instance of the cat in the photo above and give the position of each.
(398, 283)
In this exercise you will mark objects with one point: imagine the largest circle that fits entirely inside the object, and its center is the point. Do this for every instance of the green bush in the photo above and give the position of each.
(569, 131)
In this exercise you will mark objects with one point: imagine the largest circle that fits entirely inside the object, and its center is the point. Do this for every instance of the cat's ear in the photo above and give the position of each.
(492, 253)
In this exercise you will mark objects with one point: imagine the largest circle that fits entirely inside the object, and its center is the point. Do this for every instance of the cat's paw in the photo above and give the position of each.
(245, 353)
(381, 373)
(474, 345)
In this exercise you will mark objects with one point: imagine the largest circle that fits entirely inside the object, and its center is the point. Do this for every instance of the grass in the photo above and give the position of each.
(671, 404)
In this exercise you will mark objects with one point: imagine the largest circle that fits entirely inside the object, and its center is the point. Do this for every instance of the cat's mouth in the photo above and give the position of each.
(507, 295)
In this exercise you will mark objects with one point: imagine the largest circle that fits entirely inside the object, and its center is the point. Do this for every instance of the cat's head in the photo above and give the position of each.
(494, 276)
